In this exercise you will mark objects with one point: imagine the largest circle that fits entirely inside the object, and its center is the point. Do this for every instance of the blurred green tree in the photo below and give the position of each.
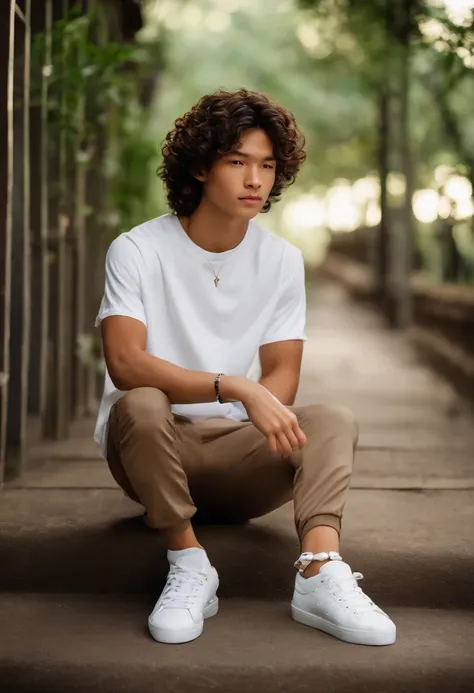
(412, 54)
(266, 48)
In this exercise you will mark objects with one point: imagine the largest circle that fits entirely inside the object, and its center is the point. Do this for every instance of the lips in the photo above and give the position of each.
(253, 198)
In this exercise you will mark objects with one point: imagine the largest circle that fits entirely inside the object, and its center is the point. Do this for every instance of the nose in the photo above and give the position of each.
(253, 178)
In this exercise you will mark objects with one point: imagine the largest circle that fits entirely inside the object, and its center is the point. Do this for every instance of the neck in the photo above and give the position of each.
(212, 229)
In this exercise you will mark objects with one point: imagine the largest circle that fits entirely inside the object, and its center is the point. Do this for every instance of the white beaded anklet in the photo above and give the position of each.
(306, 558)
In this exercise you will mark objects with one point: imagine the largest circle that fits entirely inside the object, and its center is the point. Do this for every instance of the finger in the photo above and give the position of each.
(292, 439)
(284, 444)
(272, 443)
(300, 435)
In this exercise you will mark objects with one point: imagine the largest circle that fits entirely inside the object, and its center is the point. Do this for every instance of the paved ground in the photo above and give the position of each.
(80, 571)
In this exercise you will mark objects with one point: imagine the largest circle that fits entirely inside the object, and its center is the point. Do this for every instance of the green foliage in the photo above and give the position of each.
(441, 79)
(81, 71)
(132, 162)
(93, 87)
(439, 52)
(261, 50)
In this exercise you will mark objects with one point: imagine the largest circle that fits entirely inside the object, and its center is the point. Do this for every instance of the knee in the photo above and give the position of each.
(144, 406)
(346, 419)
(338, 418)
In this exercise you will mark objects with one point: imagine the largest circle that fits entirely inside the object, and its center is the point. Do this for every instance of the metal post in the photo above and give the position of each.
(26, 318)
(58, 381)
(7, 243)
(20, 313)
(46, 73)
(80, 290)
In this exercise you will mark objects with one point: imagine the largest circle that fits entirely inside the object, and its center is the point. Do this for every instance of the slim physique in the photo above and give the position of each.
(203, 327)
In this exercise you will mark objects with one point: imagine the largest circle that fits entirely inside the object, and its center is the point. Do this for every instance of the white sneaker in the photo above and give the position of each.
(332, 602)
(188, 598)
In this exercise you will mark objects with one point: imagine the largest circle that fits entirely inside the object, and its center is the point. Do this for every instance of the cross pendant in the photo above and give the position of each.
(216, 282)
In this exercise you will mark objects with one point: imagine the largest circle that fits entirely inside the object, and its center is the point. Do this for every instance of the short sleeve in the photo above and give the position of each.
(289, 319)
(122, 293)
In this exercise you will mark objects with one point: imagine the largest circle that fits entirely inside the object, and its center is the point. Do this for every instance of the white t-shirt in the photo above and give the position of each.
(156, 274)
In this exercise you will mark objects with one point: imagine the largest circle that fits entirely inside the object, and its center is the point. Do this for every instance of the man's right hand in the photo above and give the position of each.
(277, 423)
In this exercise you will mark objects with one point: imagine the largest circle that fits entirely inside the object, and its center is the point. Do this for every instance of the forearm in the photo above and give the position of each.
(282, 385)
(181, 385)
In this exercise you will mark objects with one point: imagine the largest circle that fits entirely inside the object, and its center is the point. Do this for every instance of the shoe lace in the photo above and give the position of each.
(182, 588)
(347, 590)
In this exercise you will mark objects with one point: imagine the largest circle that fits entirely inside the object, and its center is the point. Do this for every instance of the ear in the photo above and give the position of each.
(200, 176)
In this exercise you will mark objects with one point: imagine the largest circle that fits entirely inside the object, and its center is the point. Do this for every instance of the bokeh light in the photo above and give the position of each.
(343, 212)
(305, 213)
(425, 205)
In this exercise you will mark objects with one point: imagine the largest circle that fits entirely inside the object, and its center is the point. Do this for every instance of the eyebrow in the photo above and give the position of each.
(236, 152)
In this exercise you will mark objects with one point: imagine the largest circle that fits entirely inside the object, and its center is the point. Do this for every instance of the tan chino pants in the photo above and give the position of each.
(173, 466)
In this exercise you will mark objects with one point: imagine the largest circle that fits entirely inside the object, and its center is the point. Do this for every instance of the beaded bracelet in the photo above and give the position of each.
(305, 559)
(216, 387)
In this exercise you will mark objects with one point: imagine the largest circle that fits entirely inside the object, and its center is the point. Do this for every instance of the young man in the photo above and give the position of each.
(191, 298)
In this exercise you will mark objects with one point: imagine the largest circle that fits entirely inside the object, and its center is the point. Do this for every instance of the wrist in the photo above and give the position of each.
(232, 388)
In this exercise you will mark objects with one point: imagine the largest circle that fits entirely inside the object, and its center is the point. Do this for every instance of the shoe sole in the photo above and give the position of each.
(355, 637)
(176, 637)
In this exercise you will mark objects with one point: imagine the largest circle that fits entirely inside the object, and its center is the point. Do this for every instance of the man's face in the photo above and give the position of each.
(240, 182)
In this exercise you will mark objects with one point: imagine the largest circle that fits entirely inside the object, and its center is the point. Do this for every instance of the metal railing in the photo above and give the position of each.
(43, 382)
(15, 253)
(48, 246)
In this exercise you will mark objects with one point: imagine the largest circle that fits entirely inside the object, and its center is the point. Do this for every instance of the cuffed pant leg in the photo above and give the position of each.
(324, 466)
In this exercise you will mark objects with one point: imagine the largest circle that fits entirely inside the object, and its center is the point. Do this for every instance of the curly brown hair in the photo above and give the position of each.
(213, 127)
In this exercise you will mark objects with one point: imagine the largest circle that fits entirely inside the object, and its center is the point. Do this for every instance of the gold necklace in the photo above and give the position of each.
(216, 276)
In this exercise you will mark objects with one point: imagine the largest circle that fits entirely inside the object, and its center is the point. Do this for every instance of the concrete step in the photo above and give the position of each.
(77, 643)
(94, 541)
(388, 468)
